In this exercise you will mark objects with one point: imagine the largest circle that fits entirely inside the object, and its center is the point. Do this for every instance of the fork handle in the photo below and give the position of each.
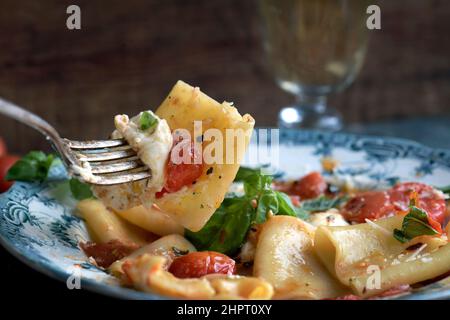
(20, 114)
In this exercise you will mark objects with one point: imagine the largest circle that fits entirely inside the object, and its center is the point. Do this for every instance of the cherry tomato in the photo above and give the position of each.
(377, 204)
(105, 254)
(180, 175)
(198, 264)
(429, 200)
(310, 186)
(368, 205)
(6, 162)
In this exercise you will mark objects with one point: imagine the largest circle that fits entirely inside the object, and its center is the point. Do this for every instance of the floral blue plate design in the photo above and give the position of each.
(39, 227)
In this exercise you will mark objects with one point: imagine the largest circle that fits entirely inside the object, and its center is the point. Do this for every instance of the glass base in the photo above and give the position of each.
(321, 118)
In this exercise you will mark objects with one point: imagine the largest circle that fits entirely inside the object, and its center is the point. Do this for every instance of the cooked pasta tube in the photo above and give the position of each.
(105, 225)
(148, 273)
(152, 219)
(370, 260)
(285, 257)
(224, 133)
(168, 247)
(239, 287)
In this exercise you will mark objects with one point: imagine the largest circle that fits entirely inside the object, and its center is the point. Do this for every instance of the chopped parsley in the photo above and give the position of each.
(147, 121)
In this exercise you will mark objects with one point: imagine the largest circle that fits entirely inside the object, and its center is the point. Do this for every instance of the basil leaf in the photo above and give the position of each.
(80, 190)
(414, 224)
(147, 121)
(285, 206)
(226, 230)
(256, 183)
(268, 201)
(322, 203)
(400, 236)
(32, 167)
(245, 172)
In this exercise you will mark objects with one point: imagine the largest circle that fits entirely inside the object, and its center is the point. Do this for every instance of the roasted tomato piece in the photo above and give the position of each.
(310, 186)
(368, 205)
(107, 253)
(182, 174)
(428, 199)
(198, 264)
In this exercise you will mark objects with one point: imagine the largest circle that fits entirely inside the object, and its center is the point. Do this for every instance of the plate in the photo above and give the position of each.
(38, 227)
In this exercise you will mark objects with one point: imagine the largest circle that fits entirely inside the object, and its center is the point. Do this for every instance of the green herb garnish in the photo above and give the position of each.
(226, 230)
(147, 121)
(80, 190)
(245, 172)
(322, 203)
(35, 166)
(414, 224)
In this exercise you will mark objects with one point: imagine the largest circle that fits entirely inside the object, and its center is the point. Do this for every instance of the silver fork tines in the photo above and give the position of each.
(103, 162)
(111, 161)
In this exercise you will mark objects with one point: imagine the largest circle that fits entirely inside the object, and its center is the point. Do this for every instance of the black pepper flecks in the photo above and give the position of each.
(209, 171)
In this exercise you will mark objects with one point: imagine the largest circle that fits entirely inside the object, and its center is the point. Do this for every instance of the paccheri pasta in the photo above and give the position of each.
(191, 238)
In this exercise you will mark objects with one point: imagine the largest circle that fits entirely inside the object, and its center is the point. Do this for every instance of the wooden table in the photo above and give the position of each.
(128, 54)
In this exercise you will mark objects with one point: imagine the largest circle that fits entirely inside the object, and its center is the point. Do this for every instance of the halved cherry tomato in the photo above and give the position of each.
(198, 264)
(105, 254)
(377, 204)
(183, 174)
(6, 162)
(310, 186)
(368, 205)
(428, 199)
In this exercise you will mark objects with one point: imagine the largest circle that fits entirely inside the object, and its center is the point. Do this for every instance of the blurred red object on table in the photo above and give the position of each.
(6, 162)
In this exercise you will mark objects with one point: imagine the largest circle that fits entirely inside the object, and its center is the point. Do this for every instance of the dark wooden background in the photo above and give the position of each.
(129, 54)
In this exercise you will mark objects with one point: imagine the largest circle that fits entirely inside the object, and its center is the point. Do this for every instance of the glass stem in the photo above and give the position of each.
(316, 104)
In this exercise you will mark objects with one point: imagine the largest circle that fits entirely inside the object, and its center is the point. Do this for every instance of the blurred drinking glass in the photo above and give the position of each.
(316, 47)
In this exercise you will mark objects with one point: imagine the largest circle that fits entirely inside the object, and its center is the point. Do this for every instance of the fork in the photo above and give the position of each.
(98, 162)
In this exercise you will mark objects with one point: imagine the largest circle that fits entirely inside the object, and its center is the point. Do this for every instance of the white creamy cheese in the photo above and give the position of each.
(153, 147)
